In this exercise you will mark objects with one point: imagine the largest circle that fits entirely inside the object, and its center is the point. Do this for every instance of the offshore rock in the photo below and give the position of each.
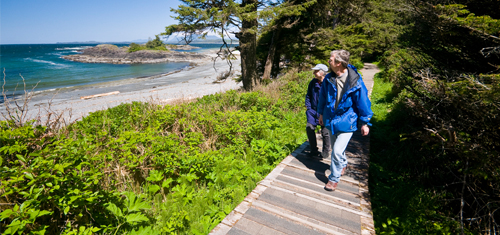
(111, 54)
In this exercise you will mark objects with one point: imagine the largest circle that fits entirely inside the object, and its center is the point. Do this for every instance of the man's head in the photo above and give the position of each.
(339, 59)
(320, 70)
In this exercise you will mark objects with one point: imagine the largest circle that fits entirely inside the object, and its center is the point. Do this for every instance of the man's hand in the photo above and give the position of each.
(320, 120)
(365, 130)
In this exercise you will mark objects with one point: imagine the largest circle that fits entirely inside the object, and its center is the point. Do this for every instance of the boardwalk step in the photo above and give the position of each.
(296, 164)
(327, 200)
(318, 220)
(333, 197)
(319, 178)
(263, 222)
(313, 209)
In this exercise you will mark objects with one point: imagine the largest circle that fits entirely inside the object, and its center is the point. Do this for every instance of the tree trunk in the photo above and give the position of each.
(276, 63)
(248, 47)
(335, 18)
(270, 56)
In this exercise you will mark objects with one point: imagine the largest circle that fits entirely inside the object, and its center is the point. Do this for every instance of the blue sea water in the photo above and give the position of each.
(42, 67)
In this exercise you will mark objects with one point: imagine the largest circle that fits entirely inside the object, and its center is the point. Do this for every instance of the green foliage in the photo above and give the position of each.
(142, 169)
(463, 16)
(132, 211)
(200, 17)
(443, 122)
(25, 217)
(155, 44)
(367, 29)
(135, 47)
(455, 39)
(402, 202)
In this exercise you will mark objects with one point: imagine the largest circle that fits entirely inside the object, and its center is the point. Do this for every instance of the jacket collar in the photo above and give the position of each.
(352, 77)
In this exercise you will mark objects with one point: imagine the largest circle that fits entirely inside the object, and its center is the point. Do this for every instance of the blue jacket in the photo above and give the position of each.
(354, 104)
(312, 101)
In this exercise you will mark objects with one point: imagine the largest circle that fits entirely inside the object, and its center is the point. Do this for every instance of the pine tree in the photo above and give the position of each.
(226, 17)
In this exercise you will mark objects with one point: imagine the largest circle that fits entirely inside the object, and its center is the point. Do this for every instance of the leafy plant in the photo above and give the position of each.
(132, 212)
(144, 168)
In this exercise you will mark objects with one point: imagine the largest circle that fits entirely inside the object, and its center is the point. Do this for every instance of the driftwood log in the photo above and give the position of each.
(99, 95)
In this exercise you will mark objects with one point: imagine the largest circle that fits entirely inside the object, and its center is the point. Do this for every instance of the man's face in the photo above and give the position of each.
(332, 63)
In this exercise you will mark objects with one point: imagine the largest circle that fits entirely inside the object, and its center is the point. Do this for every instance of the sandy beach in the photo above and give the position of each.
(195, 81)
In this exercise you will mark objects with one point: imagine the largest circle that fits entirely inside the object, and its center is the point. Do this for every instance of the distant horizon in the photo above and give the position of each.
(209, 39)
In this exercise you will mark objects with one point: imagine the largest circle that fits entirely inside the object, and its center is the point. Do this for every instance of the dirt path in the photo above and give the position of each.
(368, 72)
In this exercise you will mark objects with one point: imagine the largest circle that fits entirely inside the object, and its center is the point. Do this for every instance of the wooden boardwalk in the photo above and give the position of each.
(291, 199)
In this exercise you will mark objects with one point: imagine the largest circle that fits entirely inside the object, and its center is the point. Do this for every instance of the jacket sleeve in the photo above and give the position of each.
(309, 95)
(363, 105)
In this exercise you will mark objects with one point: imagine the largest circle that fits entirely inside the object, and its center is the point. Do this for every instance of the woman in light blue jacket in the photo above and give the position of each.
(343, 101)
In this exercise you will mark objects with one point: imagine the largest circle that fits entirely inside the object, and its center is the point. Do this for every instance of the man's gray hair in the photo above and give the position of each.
(341, 56)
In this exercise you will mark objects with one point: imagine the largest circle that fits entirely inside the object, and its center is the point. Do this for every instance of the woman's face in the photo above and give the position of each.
(318, 74)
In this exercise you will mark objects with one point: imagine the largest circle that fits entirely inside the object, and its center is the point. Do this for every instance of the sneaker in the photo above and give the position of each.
(331, 186)
(325, 154)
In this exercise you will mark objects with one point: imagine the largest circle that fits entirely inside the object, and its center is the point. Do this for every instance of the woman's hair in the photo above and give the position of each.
(341, 56)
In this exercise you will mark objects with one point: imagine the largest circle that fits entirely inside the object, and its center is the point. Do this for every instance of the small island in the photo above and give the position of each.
(154, 51)
(106, 53)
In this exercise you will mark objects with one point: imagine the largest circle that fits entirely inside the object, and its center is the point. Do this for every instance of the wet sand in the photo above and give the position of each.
(195, 81)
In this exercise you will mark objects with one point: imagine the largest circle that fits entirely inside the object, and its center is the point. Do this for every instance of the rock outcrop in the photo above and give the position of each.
(106, 53)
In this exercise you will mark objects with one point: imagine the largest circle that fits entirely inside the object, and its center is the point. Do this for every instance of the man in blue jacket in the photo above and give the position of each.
(312, 96)
(343, 101)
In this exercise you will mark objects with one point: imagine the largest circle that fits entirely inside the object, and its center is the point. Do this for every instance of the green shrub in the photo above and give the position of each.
(141, 167)
(135, 47)
(404, 170)
(155, 43)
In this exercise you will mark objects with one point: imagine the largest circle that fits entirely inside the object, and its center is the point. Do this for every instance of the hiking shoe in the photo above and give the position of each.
(331, 186)
(325, 154)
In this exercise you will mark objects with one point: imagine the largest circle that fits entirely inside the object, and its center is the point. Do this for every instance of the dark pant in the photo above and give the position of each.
(311, 135)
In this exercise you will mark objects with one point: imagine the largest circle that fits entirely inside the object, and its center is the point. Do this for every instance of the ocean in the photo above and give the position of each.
(43, 69)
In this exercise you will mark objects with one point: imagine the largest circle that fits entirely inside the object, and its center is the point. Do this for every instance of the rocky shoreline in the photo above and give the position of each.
(111, 54)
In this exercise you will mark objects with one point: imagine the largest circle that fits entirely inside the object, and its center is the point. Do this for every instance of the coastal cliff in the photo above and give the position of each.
(111, 54)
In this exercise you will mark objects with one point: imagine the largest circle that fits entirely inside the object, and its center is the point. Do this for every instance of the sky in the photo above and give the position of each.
(52, 21)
